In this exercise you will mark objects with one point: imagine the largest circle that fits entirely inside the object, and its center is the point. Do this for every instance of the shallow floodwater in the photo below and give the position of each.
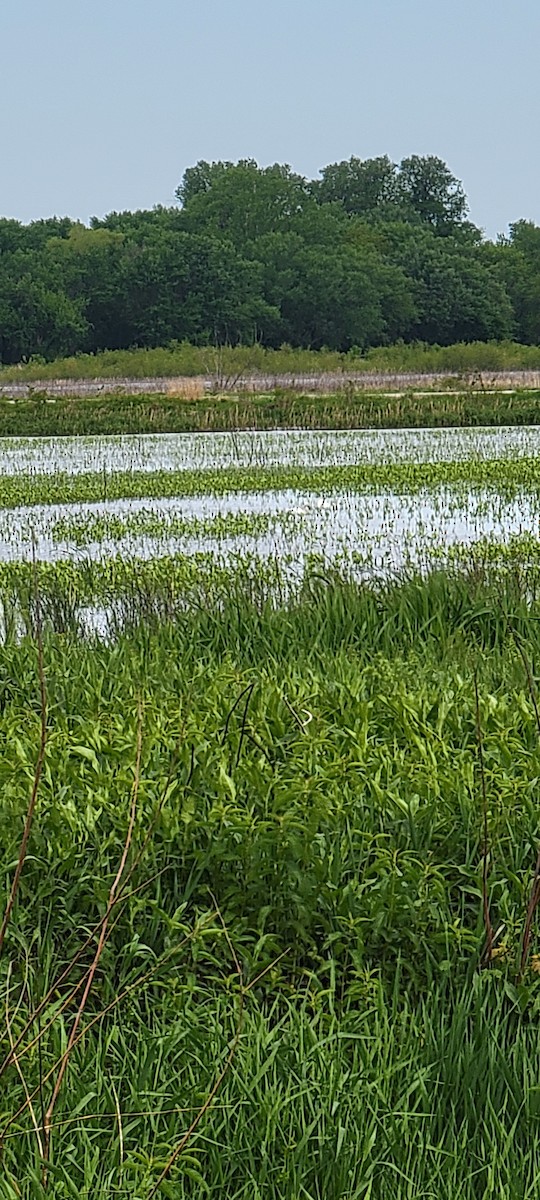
(374, 532)
(304, 448)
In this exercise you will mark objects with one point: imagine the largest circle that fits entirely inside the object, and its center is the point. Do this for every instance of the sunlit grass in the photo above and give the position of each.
(310, 773)
(302, 782)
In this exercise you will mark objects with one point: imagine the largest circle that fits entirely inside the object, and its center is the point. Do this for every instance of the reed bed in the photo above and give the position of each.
(395, 406)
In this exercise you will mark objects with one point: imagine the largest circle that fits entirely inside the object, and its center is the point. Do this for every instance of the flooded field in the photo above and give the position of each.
(285, 448)
(378, 532)
(373, 503)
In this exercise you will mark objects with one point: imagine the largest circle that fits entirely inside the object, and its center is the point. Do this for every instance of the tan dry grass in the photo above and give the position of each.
(185, 387)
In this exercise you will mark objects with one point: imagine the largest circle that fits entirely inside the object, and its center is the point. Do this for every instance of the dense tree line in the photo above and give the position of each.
(370, 253)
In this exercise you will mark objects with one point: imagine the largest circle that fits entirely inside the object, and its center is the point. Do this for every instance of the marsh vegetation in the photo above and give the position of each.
(273, 731)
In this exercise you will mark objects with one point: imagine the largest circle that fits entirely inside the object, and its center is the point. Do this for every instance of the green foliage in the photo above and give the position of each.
(365, 188)
(421, 190)
(519, 258)
(370, 254)
(465, 361)
(511, 476)
(458, 294)
(332, 296)
(313, 771)
(428, 187)
(242, 202)
(120, 414)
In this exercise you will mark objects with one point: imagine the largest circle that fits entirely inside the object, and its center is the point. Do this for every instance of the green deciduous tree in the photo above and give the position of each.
(365, 188)
(333, 296)
(242, 202)
(371, 252)
(518, 263)
(429, 190)
(458, 294)
(36, 319)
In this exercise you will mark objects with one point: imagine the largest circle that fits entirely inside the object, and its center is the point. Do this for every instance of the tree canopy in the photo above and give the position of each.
(369, 253)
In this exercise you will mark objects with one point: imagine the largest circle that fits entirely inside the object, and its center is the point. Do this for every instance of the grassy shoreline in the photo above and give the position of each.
(118, 414)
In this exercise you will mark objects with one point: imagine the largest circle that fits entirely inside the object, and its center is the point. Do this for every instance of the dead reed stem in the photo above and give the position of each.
(120, 895)
(19, 1070)
(137, 983)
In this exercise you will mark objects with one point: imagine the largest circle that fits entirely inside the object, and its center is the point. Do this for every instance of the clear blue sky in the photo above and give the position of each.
(103, 104)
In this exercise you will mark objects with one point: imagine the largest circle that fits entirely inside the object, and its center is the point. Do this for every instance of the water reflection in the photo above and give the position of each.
(376, 531)
(304, 448)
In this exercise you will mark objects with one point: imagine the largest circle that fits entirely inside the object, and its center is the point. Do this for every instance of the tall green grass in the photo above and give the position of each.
(124, 414)
(303, 898)
(248, 608)
(388, 1098)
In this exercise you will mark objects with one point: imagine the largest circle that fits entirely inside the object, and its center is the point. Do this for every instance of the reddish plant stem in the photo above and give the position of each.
(37, 777)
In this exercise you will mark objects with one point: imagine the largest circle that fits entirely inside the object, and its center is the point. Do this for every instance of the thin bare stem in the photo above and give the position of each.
(84, 1118)
(20, 1072)
(244, 719)
(147, 1112)
(488, 927)
(35, 1015)
(37, 775)
(534, 899)
(137, 983)
(120, 895)
(119, 1119)
(244, 692)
